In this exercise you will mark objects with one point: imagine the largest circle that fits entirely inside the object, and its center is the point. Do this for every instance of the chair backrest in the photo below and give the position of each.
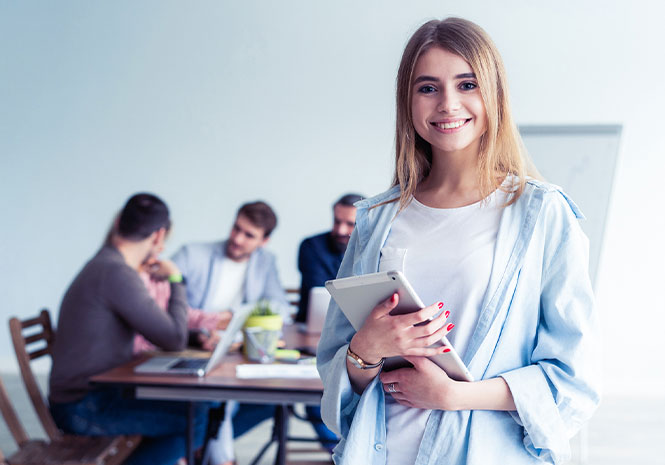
(11, 418)
(26, 335)
(293, 296)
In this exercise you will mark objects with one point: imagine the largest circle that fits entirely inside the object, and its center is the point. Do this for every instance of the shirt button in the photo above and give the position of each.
(378, 446)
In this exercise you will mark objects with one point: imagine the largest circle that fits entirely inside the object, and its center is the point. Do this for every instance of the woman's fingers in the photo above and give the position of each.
(436, 336)
(385, 335)
(421, 316)
(433, 326)
(393, 376)
(403, 401)
(426, 351)
(385, 307)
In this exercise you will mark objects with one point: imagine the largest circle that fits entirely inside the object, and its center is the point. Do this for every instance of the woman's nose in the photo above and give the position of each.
(449, 102)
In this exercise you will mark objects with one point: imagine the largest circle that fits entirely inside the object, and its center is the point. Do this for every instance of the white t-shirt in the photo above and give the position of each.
(227, 293)
(447, 255)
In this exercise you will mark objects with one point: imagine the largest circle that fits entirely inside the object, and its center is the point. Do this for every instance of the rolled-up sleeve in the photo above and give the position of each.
(339, 400)
(560, 389)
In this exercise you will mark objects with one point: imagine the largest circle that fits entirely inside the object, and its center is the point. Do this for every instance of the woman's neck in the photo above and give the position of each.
(452, 182)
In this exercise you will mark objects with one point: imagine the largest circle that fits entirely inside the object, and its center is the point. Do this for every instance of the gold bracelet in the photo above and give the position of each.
(358, 362)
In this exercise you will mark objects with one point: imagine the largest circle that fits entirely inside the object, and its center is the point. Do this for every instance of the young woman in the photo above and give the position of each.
(497, 254)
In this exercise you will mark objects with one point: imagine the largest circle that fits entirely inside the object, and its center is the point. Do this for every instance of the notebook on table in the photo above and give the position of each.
(196, 366)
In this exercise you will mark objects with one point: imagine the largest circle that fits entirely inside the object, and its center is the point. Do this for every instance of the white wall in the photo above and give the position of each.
(210, 104)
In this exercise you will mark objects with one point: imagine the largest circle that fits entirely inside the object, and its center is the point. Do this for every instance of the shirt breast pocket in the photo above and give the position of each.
(392, 259)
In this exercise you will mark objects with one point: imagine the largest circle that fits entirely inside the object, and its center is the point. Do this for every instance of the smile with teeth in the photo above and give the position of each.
(451, 125)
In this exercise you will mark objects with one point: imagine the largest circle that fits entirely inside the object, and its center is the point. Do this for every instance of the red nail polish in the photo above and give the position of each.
(446, 351)
(440, 304)
(392, 298)
(447, 313)
(450, 326)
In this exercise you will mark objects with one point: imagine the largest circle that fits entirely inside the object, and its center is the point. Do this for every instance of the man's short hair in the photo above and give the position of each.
(260, 215)
(347, 200)
(142, 215)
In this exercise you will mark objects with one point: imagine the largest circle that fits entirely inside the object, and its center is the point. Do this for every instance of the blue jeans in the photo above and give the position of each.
(163, 424)
(249, 415)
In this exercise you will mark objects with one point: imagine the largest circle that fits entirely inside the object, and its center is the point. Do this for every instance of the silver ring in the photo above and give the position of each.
(391, 387)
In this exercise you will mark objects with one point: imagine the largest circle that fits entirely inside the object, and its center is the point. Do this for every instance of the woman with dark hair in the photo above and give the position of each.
(470, 225)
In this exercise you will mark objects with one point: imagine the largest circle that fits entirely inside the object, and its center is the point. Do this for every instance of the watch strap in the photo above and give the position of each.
(176, 278)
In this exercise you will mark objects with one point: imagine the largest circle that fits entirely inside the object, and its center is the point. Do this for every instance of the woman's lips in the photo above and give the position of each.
(450, 126)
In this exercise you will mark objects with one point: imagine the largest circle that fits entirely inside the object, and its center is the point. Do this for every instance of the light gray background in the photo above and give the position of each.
(210, 104)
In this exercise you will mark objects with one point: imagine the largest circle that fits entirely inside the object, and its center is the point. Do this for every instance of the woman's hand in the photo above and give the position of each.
(428, 386)
(425, 385)
(384, 335)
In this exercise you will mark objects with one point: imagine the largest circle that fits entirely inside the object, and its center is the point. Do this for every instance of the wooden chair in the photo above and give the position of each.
(64, 450)
(60, 448)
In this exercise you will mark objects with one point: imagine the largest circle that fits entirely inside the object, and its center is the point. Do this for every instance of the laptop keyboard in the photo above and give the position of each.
(190, 363)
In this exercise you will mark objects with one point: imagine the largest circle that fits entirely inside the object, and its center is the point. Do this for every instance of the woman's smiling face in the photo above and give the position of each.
(446, 106)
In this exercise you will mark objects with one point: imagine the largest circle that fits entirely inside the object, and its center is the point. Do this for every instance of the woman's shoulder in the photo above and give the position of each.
(376, 210)
(386, 196)
(552, 210)
(553, 197)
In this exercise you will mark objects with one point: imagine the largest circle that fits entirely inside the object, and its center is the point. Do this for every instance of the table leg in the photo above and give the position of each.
(281, 428)
(190, 433)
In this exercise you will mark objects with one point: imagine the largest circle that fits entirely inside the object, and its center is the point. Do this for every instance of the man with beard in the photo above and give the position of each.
(106, 305)
(318, 261)
(320, 256)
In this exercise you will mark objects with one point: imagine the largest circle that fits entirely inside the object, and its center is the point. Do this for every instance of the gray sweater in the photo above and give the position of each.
(104, 307)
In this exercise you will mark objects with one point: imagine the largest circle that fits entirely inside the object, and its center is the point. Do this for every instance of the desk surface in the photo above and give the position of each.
(221, 383)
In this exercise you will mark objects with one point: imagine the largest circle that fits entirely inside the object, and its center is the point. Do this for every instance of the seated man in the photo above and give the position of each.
(319, 259)
(320, 256)
(222, 275)
(105, 306)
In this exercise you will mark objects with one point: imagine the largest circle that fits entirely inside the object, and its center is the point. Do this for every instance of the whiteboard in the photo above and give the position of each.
(582, 160)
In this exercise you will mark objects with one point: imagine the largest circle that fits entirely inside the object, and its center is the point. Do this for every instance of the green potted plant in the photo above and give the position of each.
(263, 316)
(262, 331)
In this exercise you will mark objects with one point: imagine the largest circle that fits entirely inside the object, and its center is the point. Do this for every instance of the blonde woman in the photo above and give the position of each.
(498, 255)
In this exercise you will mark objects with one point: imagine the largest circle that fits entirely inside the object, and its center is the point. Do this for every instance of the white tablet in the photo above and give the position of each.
(358, 295)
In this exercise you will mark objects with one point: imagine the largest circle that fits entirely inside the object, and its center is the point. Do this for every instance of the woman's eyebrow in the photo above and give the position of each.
(434, 79)
(425, 78)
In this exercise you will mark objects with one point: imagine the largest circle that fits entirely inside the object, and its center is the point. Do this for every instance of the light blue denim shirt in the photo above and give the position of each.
(537, 329)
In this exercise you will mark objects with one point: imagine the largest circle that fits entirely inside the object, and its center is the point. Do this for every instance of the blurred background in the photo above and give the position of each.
(210, 104)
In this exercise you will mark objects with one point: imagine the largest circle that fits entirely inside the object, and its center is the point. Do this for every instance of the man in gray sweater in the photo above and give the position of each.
(103, 309)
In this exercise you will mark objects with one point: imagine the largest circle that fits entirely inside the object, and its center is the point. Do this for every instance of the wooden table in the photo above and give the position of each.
(221, 384)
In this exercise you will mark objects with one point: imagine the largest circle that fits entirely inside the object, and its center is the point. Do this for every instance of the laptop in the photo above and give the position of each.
(196, 366)
(317, 307)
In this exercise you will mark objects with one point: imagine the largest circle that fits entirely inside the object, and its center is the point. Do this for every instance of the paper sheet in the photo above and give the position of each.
(276, 370)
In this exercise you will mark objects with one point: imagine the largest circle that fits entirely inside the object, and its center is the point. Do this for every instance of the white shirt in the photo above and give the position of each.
(228, 291)
(447, 255)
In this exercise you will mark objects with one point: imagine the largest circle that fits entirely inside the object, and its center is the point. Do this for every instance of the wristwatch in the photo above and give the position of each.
(359, 362)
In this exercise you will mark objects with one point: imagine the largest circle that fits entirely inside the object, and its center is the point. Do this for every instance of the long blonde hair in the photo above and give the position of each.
(502, 152)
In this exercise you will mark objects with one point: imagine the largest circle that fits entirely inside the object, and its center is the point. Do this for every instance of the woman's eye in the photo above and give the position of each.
(428, 89)
(468, 85)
